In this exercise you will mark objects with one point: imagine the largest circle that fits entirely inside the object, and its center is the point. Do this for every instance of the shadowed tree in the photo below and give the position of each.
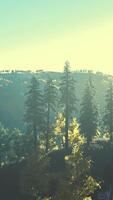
(50, 97)
(68, 98)
(108, 116)
(88, 113)
(34, 109)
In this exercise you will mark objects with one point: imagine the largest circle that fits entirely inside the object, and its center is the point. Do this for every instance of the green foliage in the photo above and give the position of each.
(50, 94)
(73, 132)
(68, 91)
(50, 99)
(13, 146)
(4, 144)
(34, 112)
(15, 85)
(108, 115)
(59, 140)
(71, 181)
(68, 98)
(34, 115)
(89, 113)
(58, 174)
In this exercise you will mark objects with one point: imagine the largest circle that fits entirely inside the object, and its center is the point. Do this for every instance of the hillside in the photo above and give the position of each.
(14, 84)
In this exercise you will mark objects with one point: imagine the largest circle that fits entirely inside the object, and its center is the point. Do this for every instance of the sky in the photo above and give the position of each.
(43, 34)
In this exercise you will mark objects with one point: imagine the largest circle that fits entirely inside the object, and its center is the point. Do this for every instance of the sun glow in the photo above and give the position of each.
(44, 40)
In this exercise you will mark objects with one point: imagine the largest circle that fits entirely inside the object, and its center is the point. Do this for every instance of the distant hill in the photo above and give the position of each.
(14, 84)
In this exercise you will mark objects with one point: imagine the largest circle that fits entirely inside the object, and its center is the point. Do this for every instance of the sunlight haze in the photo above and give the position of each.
(37, 34)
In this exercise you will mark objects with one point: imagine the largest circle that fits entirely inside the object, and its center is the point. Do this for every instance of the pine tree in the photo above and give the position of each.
(108, 116)
(50, 96)
(58, 176)
(68, 98)
(88, 113)
(34, 109)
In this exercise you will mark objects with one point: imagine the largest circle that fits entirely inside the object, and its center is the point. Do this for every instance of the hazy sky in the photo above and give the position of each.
(44, 33)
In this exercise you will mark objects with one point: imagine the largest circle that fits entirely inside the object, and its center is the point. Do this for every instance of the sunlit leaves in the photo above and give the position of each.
(72, 180)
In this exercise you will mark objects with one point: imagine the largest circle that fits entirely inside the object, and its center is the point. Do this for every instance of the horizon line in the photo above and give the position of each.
(53, 71)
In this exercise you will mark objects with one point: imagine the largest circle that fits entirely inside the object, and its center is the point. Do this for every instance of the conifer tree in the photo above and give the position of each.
(88, 113)
(34, 109)
(58, 176)
(108, 116)
(68, 98)
(50, 95)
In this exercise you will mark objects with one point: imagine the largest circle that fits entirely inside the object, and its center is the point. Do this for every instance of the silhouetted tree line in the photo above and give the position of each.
(57, 149)
(41, 107)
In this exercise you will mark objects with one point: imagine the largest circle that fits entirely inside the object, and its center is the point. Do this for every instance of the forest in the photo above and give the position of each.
(56, 135)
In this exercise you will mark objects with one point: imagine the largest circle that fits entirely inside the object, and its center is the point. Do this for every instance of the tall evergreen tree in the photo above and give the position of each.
(34, 109)
(68, 98)
(88, 113)
(108, 116)
(50, 96)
